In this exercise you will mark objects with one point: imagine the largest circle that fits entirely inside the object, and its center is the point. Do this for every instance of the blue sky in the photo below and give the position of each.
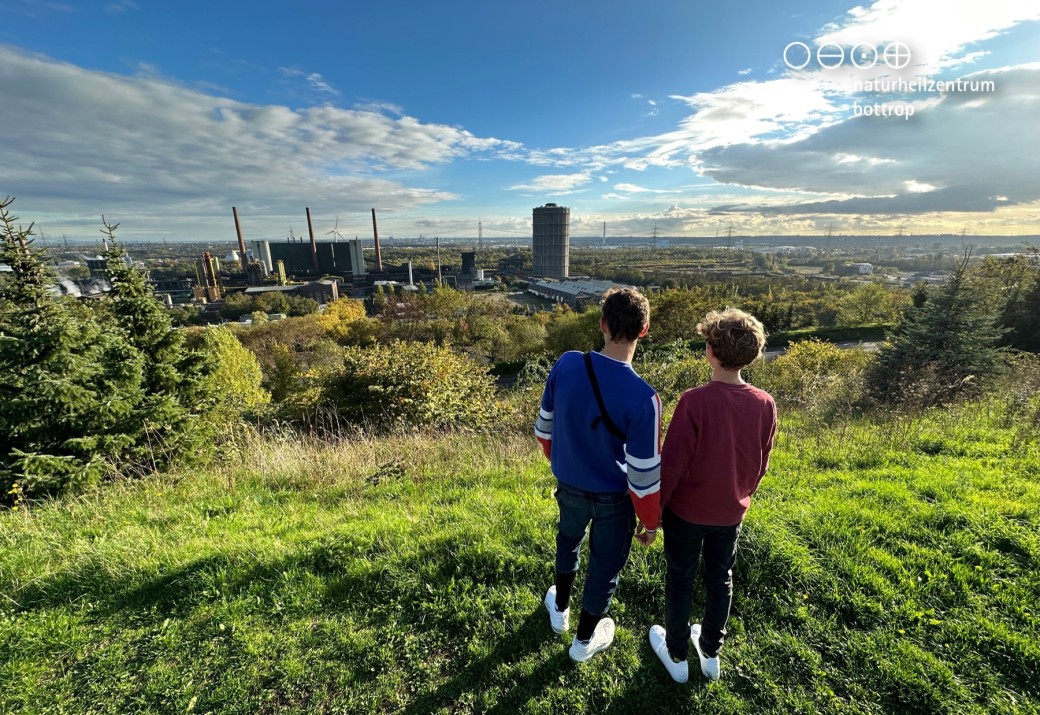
(682, 115)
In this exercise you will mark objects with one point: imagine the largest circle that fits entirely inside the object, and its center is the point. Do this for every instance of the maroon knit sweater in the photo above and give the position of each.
(716, 452)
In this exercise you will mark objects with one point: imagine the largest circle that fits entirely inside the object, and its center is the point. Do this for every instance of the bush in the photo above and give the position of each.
(821, 378)
(233, 387)
(573, 331)
(410, 385)
(672, 369)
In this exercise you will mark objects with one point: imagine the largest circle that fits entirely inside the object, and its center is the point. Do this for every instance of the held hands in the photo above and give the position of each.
(643, 536)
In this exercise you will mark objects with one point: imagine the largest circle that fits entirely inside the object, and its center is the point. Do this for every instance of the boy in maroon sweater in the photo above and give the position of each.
(714, 457)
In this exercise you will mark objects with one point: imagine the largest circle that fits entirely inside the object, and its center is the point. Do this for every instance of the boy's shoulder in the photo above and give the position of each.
(613, 375)
(710, 390)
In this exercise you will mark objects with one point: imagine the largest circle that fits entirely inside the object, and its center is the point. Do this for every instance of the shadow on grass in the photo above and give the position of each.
(531, 636)
(649, 688)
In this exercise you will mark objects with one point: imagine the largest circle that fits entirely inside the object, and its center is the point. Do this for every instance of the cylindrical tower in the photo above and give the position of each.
(552, 241)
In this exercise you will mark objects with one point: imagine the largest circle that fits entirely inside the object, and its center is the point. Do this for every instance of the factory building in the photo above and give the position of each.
(336, 258)
(323, 291)
(552, 241)
(576, 293)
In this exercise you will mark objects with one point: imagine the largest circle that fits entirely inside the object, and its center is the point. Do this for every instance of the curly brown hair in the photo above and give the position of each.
(627, 312)
(736, 338)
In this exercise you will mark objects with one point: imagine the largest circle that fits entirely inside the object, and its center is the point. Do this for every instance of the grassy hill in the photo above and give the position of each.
(891, 567)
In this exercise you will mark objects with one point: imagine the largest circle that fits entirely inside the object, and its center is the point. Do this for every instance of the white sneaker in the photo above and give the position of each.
(601, 639)
(680, 671)
(559, 620)
(709, 666)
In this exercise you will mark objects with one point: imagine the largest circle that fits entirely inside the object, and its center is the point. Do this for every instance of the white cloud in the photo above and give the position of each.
(935, 34)
(918, 187)
(314, 80)
(796, 131)
(635, 189)
(744, 72)
(555, 183)
(948, 157)
(79, 143)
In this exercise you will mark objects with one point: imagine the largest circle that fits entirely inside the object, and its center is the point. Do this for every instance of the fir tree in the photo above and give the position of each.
(68, 381)
(174, 377)
(942, 349)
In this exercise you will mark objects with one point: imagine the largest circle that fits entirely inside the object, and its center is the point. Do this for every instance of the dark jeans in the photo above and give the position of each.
(684, 543)
(613, 522)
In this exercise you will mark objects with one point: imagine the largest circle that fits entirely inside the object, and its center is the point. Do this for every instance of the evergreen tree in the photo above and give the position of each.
(164, 424)
(1021, 310)
(68, 380)
(941, 350)
(1022, 317)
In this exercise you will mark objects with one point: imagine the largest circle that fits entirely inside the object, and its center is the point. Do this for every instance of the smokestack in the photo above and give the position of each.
(375, 232)
(314, 246)
(241, 243)
(410, 281)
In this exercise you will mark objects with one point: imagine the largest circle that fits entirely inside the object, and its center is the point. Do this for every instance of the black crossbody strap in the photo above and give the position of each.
(607, 422)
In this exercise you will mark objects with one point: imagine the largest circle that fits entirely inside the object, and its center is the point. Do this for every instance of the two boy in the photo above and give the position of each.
(699, 486)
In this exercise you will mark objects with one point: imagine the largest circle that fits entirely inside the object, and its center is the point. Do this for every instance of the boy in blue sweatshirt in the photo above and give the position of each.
(605, 453)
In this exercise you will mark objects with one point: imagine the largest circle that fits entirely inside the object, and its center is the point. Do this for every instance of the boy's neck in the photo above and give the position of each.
(730, 377)
(622, 351)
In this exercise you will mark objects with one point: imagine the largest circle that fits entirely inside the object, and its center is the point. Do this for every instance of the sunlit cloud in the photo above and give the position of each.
(555, 183)
(170, 150)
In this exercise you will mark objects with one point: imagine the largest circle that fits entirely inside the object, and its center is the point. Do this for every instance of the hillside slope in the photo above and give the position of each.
(884, 568)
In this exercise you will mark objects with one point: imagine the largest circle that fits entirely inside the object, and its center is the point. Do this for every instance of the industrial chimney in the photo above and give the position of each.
(241, 243)
(375, 232)
(314, 246)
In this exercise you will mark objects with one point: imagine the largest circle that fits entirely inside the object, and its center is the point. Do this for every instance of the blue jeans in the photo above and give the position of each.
(684, 544)
(613, 522)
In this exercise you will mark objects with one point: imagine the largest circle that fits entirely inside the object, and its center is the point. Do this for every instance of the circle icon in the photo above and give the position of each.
(864, 56)
(896, 55)
(830, 55)
(802, 47)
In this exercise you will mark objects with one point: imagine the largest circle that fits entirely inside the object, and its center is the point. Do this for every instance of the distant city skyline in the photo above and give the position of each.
(897, 114)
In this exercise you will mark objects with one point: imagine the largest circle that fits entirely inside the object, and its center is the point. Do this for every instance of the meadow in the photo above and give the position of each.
(888, 564)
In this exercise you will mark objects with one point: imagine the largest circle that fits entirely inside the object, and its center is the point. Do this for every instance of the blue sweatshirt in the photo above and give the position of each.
(593, 459)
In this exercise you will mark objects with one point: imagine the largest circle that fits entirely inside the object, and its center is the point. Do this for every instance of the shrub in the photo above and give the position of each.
(233, 388)
(410, 385)
(672, 369)
(343, 319)
(573, 331)
(819, 377)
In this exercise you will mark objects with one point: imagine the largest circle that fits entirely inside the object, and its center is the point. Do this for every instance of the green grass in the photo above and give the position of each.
(883, 568)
